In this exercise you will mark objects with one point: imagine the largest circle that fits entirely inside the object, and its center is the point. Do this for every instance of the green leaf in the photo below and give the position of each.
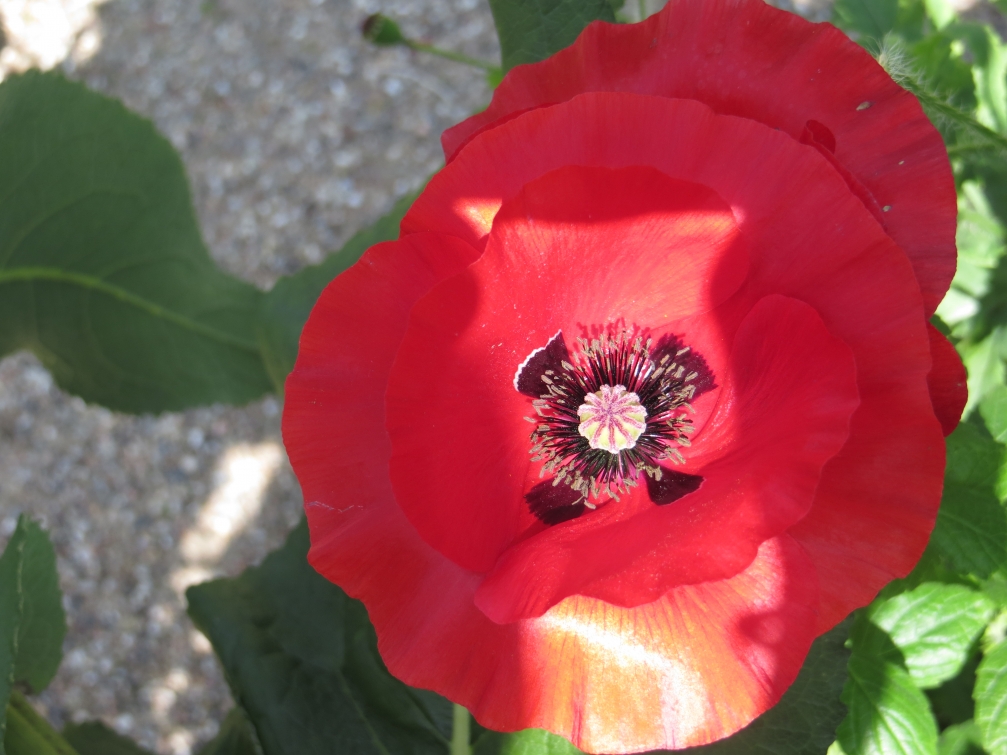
(971, 530)
(94, 738)
(236, 737)
(989, 70)
(301, 659)
(536, 742)
(43, 622)
(30, 734)
(870, 18)
(975, 305)
(32, 622)
(991, 699)
(961, 739)
(869, 22)
(284, 310)
(934, 626)
(994, 412)
(888, 714)
(985, 365)
(939, 57)
(941, 12)
(526, 742)
(11, 602)
(532, 30)
(103, 273)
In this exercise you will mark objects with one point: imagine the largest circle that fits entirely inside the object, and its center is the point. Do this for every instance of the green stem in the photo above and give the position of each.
(461, 732)
(449, 55)
(643, 9)
(986, 138)
(957, 150)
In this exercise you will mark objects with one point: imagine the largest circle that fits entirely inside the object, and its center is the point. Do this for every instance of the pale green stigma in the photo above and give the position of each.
(612, 419)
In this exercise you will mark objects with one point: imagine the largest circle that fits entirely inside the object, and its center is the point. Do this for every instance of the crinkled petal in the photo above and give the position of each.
(745, 58)
(692, 667)
(333, 420)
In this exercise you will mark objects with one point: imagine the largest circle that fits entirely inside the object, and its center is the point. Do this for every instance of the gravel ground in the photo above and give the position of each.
(295, 134)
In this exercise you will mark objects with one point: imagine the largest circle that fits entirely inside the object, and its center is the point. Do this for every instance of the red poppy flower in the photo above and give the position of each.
(638, 404)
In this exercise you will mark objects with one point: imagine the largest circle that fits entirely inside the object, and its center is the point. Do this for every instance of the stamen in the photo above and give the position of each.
(609, 411)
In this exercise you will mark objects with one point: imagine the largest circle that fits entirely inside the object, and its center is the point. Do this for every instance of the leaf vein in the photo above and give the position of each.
(91, 283)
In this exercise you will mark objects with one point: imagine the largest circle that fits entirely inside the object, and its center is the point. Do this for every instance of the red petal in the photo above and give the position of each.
(677, 683)
(876, 504)
(694, 666)
(947, 380)
(654, 250)
(824, 141)
(333, 419)
(877, 499)
(783, 413)
(742, 57)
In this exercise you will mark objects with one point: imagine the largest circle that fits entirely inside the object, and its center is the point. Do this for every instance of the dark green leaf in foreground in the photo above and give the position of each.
(804, 722)
(991, 699)
(532, 30)
(103, 273)
(284, 310)
(32, 622)
(971, 530)
(94, 738)
(934, 626)
(888, 714)
(301, 659)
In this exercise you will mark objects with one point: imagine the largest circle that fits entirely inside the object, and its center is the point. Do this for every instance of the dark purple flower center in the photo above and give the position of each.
(611, 413)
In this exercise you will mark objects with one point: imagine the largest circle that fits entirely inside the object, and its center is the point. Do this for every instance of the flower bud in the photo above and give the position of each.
(381, 30)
